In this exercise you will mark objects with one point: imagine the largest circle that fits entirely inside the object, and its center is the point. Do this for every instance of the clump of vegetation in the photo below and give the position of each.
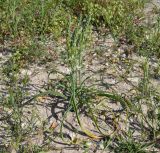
(32, 17)
(150, 45)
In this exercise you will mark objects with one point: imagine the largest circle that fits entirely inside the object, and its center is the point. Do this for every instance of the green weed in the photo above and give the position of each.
(130, 146)
(76, 43)
(150, 45)
(31, 17)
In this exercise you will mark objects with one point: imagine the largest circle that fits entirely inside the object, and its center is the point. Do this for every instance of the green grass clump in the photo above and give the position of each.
(130, 147)
(124, 19)
(12, 104)
(151, 43)
(32, 17)
(120, 16)
(77, 39)
(24, 23)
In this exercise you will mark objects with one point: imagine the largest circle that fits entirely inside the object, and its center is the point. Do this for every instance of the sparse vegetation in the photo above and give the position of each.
(79, 73)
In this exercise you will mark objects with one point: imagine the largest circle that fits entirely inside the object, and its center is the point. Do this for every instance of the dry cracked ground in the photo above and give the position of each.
(110, 68)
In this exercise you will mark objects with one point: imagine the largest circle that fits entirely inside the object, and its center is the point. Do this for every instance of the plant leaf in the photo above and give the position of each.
(124, 102)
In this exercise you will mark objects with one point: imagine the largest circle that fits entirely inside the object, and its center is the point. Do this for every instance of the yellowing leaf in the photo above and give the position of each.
(90, 134)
